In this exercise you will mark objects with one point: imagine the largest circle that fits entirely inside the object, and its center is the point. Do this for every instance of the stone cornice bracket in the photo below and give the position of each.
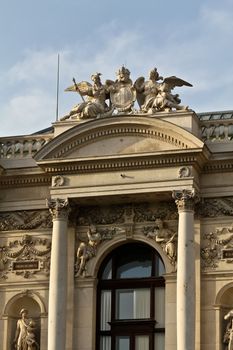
(185, 199)
(59, 208)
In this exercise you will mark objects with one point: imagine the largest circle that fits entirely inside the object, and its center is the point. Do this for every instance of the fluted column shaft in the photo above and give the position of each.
(185, 271)
(58, 275)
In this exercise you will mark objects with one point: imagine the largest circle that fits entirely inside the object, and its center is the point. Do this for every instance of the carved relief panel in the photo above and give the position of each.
(22, 252)
(101, 223)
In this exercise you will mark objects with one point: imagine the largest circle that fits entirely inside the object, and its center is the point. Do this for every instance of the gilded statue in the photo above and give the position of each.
(118, 97)
(154, 96)
(95, 104)
(147, 90)
(228, 335)
(25, 333)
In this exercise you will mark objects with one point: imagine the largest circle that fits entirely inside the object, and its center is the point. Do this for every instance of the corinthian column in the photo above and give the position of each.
(185, 271)
(59, 209)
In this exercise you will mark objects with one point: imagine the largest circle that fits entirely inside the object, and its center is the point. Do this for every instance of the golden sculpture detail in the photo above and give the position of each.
(118, 97)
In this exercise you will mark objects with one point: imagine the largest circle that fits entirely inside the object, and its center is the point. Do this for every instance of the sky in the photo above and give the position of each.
(192, 40)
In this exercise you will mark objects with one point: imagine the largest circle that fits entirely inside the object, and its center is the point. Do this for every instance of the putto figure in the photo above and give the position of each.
(25, 333)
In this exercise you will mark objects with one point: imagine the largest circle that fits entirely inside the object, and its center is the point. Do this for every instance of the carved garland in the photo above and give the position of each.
(25, 220)
(25, 257)
(217, 246)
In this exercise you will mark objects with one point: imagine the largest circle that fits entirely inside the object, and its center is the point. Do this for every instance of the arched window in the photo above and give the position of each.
(130, 300)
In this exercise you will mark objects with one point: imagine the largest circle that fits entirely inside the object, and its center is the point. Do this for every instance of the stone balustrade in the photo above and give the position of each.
(22, 146)
(217, 130)
(216, 126)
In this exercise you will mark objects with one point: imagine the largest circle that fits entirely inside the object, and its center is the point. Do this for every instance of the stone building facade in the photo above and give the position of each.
(117, 232)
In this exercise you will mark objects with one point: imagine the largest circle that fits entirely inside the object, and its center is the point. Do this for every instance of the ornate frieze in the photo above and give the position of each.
(26, 257)
(59, 208)
(120, 214)
(25, 220)
(213, 207)
(217, 246)
(184, 199)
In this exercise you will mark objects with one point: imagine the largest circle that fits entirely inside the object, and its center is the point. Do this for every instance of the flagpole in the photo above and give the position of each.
(58, 76)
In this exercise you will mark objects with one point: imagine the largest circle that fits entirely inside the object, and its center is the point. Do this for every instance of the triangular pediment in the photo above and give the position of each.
(125, 135)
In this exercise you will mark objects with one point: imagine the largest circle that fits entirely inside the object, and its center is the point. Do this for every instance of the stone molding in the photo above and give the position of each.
(119, 163)
(59, 208)
(24, 180)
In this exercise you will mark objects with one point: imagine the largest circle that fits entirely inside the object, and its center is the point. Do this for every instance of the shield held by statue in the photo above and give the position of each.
(123, 98)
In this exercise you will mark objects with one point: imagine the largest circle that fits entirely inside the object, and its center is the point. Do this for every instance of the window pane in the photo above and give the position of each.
(105, 310)
(160, 307)
(132, 303)
(142, 342)
(142, 303)
(107, 273)
(134, 262)
(159, 341)
(105, 343)
(124, 304)
(122, 343)
(161, 268)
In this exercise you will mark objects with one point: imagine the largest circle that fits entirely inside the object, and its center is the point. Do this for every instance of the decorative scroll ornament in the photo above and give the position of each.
(185, 199)
(217, 246)
(59, 208)
(88, 249)
(117, 97)
(165, 237)
(25, 220)
(25, 257)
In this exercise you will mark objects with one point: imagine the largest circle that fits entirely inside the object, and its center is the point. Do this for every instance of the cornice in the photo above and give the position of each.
(218, 166)
(139, 161)
(25, 181)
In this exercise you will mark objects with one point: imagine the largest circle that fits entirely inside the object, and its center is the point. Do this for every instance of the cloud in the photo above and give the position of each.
(197, 51)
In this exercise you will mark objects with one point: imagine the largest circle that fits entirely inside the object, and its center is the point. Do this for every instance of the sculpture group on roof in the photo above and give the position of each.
(118, 97)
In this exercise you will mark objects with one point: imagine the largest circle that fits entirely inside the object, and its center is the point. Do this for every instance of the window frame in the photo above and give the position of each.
(131, 327)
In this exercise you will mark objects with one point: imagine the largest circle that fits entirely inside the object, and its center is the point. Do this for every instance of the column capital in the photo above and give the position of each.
(185, 199)
(59, 208)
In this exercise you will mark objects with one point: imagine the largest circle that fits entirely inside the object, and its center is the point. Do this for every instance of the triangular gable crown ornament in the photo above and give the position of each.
(118, 97)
